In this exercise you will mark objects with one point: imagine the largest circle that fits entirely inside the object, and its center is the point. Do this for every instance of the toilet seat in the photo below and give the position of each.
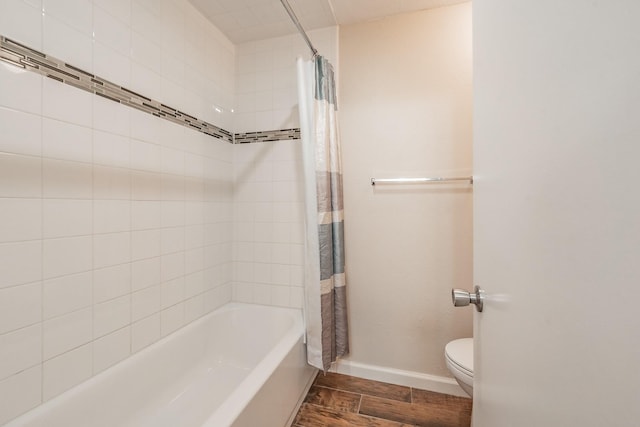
(459, 357)
(460, 353)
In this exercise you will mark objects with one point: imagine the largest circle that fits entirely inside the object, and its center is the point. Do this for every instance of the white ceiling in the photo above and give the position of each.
(246, 20)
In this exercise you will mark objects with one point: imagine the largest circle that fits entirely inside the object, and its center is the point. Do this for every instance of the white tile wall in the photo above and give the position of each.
(75, 13)
(266, 79)
(67, 217)
(66, 370)
(145, 302)
(20, 176)
(171, 318)
(111, 282)
(144, 332)
(20, 306)
(21, 392)
(23, 21)
(67, 42)
(66, 332)
(66, 294)
(66, 103)
(20, 90)
(64, 256)
(111, 349)
(63, 140)
(21, 134)
(106, 213)
(268, 248)
(20, 349)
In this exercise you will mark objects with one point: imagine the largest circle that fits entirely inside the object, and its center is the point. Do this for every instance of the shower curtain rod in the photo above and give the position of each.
(294, 18)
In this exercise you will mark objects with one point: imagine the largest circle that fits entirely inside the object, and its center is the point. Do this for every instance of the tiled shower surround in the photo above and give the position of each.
(118, 227)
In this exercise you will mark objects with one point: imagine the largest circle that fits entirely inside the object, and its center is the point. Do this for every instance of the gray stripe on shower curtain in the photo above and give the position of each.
(331, 249)
(335, 336)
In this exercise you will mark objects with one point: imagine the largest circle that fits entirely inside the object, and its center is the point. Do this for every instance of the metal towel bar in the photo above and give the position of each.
(375, 181)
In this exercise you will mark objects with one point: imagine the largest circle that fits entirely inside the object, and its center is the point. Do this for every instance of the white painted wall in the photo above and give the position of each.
(115, 226)
(405, 110)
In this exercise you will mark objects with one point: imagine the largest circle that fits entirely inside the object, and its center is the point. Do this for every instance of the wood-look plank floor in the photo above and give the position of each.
(337, 400)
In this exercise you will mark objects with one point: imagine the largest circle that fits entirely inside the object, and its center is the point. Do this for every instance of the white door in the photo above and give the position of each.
(557, 212)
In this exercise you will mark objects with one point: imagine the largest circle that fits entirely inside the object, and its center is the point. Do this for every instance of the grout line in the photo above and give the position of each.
(130, 227)
(42, 221)
(93, 233)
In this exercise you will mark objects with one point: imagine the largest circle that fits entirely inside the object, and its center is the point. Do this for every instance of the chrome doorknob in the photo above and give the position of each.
(461, 298)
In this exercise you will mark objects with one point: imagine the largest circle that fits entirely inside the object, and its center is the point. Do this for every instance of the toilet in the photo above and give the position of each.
(459, 357)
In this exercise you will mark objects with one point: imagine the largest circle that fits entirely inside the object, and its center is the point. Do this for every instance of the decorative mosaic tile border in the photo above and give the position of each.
(271, 135)
(24, 57)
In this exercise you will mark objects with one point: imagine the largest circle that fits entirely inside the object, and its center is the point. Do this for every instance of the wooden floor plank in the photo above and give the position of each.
(362, 386)
(316, 416)
(337, 400)
(424, 415)
(425, 397)
(333, 399)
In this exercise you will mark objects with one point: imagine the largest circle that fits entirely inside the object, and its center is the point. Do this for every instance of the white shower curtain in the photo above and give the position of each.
(325, 284)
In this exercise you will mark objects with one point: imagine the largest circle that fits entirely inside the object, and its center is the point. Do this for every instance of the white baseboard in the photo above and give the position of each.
(397, 376)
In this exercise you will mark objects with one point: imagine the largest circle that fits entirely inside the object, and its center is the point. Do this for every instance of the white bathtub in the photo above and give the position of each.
(242, 365)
